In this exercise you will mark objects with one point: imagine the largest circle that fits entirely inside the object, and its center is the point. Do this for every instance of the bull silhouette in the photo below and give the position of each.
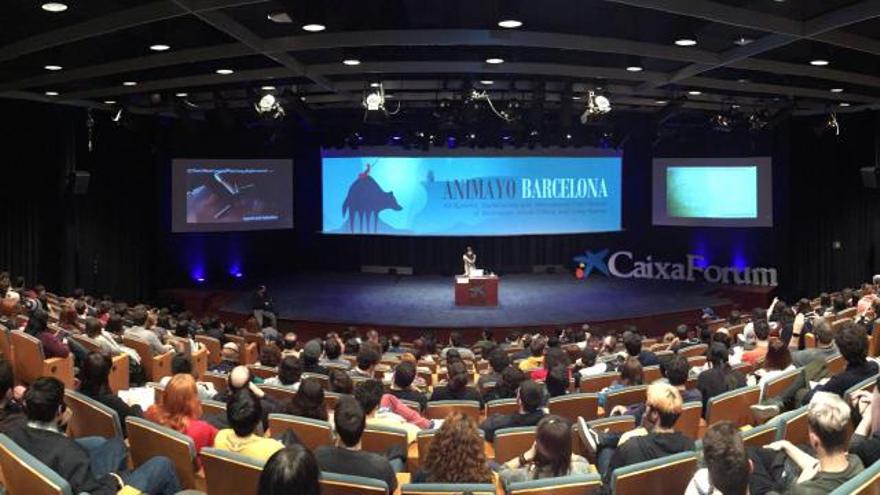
(365, 200)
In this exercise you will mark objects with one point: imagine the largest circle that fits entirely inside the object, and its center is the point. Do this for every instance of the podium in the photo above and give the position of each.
(476, 291)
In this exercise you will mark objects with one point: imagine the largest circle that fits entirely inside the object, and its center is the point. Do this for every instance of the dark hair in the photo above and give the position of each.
(244, 412)
(824, 300)
(404, 374)
(367, 357)
(181, 363)
(394, 341)
(92, 327)
(511, 378)
(537, 345)
(762, 329)
(95, 375)
(530, 395)
(676, 370)
(270, 355)
(778, 356)
(726, 459)
(7, 377)
(588, 356)
(458, 377)
(455, 339)
(838, 304)
(557, 381)
(340, 382)
(633, 343)
(290, 370)
(308, 401)
(349, 419)
(452, 355)
(681, 332)
(37, 322)
(368, 394)
(852, 341)
(718, 354)
(44, 399)
(823, 331)
(499, 360)
(332, 348)
(552, 447)
(139, 317)
(722, 338)
(114, 324)
(632, 372)
(352, 347)
(290, 470)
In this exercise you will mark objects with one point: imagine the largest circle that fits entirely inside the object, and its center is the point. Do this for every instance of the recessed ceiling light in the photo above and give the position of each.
(634, 68)
(279, 17)
(129, 83)
(742, 41)
(844, 104)
(510, 23)
(742, 81)
(487, 82)
(109, 102)
(314, 28)
(819, 62)
(695, 93)
(686, 42)
(54, 7)
(374, 85)
(661, 102)
(51, 93)
(224, 72)
(267, 88)
(181, 95)
(52, 67)
(160, 47)
(836, 90)
(351, 61)
(494, 60)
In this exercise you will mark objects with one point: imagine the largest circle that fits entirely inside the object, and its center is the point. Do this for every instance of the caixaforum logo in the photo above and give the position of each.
(622, 264)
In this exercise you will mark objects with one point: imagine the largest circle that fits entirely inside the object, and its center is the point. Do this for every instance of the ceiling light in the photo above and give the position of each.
(279, 17)
(597, 105)
(634, 68)
(819, 62)
(510, 23)
(351, 61)
(269, 106)
(52, 67)
(576, 97)
(742, 41)
(836, 90)
(314, 28)
(224, 72)
(686, 42)
(181, 95)
(660, 102)
(160, 47)
(54, 7)
(487, 82)
(129, 83)
(267, 88)
(51, 93)
(695, 93)
(742, 81)
(375, 84)
(844, 104)
(494, 60)
(109, 102)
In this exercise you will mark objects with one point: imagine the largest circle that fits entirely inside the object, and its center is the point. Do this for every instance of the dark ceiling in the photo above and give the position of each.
(427, 50)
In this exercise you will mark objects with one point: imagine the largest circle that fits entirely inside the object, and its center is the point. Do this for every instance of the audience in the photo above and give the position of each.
(138, 331)
(588, 365)
(311, 356)
(720, 377)
(457, 385)
(401, 386)
(456, 454)
(367, 359)
(308, 401)
(535, 358)
(549, 457)
(825, 347)
(632, 341)
(289, 374)
(244, 413)
(498, 362)
(511, 378)
(865, 441)
(528, 400)
(340, 382)
(455, 343)
(385, 410)
(95, 384)
(229, 356)
(630, 374)
(290, 470)
(728, 469)
(181, 410)
(332, 355)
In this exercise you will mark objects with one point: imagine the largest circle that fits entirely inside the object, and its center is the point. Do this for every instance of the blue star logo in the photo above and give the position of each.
(593, 260)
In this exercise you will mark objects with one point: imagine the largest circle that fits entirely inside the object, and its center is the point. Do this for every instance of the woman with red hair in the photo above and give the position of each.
(180, 410)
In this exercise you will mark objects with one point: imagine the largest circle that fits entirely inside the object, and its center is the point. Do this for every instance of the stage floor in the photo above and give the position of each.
(524, 300)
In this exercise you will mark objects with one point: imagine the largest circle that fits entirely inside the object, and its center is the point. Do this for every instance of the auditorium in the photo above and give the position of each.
(440, 247)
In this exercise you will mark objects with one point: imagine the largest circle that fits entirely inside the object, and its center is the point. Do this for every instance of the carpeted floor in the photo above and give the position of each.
(427, 301)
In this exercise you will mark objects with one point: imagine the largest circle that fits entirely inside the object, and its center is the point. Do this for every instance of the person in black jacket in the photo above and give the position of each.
(96, 385)
(456, 387)
(404, 375)
(263, 308)
(720, 377)
(97, 469)
(528, 398)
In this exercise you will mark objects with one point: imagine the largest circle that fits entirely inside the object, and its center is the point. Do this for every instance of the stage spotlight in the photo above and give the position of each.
(268, 106)
(832, 125)
(477, 96)
(374, 104)
(721, 123)
(451, 142)
(118, 116)
(597, 105)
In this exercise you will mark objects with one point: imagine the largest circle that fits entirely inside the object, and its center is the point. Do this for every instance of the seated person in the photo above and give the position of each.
(346, 457)
(290, 470)
(828, 424)
(587, 365)
(182, 363)
(308, 401)
(777, 361)
(311, 356)
(456, 342)
(457, 454)
(825, 347)
(720, 377)
(139, 331)
(457, 385)
(762, 334)
(371, 396)
(553, 357)
(632, 342)
(675, 371)
(11, 411)
(332, 355)
(340, 382)
(43, 439)
(865, 441)
(728, 468)
(549, 457)
(511, 378)
(240, 378)
(289, 374)
(401, 386)
(95, 376)
(229, 356)
(630, 374)
(181, 411)
(498, 362)
(528, 399)
(536, 354)
(367, 360)
(244, 413)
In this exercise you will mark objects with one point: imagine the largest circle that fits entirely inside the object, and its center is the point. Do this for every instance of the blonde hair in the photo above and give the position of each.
(666, 400)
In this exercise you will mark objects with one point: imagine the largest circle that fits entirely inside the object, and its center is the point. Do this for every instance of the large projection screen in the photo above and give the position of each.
(231, 195)
(462, 192)
(713, 192)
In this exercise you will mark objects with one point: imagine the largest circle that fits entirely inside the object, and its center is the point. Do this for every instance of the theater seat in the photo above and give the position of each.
(439, 409)
(147, 440)
(343, 484)
(24, 474)
(866, 384)
(90, 418)
(200, 362)
(282, 395)
(30, 363)
(324, 380)
(664, 476)
(502, 406)
(214, 348)
(694, 351)
(688, 424)
(228, 473)
(573, 405)
(446, 489)
(583, 484)
(213, 407)
(217, 379)
(652, 373)
(775, 387)
(836, 364)
(626, 396)
(865, 483)
(379, 439)
(760, 436)
(614, 424)
(596, 383)
(313, 433)
(155, 366)
(5, 343)
(793, 426)
(263, 372)
(733, 406)
(511, 442)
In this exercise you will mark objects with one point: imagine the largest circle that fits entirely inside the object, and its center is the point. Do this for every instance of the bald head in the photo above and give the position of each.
(240, 377)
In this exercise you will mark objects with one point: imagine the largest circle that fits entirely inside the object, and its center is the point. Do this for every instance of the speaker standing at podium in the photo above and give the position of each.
(470, 261)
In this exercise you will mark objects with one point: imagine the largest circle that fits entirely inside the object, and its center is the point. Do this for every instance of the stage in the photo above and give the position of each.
(332, 300)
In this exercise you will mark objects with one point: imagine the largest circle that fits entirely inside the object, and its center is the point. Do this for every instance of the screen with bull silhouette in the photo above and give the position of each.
(456, 194)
